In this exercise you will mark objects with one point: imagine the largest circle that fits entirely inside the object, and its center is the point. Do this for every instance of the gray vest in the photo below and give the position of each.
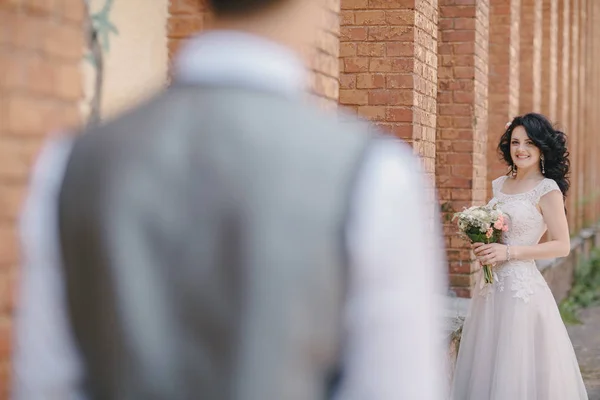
(202, 237)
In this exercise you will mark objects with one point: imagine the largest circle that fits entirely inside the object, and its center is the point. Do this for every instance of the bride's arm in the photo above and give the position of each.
(553, 209)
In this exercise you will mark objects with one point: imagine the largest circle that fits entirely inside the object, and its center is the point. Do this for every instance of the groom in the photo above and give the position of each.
(226, 240)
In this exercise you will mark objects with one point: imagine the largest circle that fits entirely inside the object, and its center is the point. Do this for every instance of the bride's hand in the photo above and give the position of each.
(489, 254)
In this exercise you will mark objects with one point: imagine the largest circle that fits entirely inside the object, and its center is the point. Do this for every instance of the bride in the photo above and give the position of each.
(514, 344)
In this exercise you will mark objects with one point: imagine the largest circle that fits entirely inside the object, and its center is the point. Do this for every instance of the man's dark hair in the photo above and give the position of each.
(240, 7)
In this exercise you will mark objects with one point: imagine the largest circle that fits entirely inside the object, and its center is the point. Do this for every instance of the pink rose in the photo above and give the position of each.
(505, 228)
(499, 224)
(489, 233)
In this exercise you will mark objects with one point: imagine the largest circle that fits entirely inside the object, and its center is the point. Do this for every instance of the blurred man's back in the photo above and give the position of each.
(226, 240)
(201, 237)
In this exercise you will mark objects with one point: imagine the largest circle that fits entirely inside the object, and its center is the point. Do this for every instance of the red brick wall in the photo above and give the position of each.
(531, 51)
(462, 125)
(591, 105)
(564, 96)
(41, 46)
(537, 56)
(594, 97)
(504, 77)
(549, 57)
(186, 18)
(515, 55)
(191, 16)
(560, 40)
(564, 36)
(325, 82)
(589, 139)
(388, 68)
(577, 141)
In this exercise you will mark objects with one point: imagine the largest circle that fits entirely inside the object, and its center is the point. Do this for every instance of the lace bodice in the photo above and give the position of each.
(525, 228)
(526, 223)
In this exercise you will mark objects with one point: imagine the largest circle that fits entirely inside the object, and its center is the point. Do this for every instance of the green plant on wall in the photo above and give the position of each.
(100, 29)
(585, 291)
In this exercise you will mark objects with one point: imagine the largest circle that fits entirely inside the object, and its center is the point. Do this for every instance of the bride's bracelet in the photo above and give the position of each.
(508, 252)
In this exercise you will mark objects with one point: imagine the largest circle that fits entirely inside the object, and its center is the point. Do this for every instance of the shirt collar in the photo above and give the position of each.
(240, 59)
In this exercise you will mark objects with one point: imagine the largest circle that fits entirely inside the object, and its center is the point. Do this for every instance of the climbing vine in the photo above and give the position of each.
(100, 30)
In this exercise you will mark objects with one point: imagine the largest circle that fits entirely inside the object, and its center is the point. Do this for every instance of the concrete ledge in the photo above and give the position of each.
(455, 315)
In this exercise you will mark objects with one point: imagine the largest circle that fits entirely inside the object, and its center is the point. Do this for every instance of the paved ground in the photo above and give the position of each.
(586, 340)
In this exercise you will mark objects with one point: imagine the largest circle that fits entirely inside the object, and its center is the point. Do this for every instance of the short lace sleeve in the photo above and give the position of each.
(497, 185)
(547, 186)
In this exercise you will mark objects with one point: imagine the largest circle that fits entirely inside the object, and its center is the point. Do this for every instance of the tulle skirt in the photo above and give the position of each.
(515, 345)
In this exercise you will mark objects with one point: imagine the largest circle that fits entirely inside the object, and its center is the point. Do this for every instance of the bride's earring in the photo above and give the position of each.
(513, 170)
(543, 166)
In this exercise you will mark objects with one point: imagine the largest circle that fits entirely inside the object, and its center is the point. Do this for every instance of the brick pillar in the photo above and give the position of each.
(41, 47)
(596, 91)
(582, 115)
(591, 108)
(549, 58)
(325, 59)
(562, 89)
(577, 141)
(504, 77)
(530, 56)
(389, 68)
(590, 111)
(563, 62)
(186, 18)
(461, 169)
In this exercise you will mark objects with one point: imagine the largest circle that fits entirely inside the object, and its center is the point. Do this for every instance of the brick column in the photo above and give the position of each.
(592, 99)
(564, 101)
(325, 59)
(590, 110)
(596, 91)
(530, 56)
(461, 169)
(186, 18)
(595, 96)
(549, 58)
(584, 132)
(504, 77)
(41, 47)
(389, 68)
(563, 62)
(577, 141)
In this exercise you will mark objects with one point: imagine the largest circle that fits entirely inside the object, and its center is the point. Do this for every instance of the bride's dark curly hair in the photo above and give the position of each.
(551, 142)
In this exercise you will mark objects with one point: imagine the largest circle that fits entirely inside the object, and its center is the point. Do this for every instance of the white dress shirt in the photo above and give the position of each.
(392, 346)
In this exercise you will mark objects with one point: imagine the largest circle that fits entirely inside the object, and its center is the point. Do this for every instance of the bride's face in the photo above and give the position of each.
(525, 154)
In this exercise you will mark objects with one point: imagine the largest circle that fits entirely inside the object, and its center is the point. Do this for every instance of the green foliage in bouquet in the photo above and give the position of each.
(476, 236)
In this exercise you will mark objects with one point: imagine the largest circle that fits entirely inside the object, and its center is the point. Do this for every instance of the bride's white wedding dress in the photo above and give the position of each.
(514, 344)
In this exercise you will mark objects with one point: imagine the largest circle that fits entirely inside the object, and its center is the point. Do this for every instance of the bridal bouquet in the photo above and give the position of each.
(482, 224)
